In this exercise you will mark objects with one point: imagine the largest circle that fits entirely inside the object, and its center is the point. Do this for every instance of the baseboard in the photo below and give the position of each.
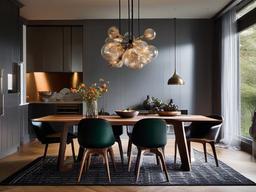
(25, 139)
(9, 152)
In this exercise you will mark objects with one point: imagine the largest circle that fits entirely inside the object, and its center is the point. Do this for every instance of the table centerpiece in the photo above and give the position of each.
(90, 96)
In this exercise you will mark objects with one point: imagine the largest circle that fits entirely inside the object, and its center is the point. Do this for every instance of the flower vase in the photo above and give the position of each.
(90, 109)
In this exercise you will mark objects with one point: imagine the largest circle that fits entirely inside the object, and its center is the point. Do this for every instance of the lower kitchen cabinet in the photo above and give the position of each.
(36, 110)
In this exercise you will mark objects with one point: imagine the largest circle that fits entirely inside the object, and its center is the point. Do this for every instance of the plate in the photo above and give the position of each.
(169, 113)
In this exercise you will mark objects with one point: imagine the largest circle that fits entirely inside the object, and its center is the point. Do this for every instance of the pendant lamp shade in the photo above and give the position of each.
(175, 78)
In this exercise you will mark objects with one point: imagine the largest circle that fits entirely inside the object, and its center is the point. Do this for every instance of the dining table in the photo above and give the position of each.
(69, 120)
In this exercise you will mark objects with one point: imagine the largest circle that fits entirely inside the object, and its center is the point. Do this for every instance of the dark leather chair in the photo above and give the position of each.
(149, 135)
(95, 136)
(203, 132)
(118, 131)
(129, 133)
(47, 135)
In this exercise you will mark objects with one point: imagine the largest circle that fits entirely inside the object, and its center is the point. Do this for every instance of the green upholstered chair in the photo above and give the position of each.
(47, 135)
(149, 135)
(118, 131)
(95, 136)
(203, 132)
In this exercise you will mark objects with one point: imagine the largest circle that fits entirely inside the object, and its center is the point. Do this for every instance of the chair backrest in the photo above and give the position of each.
(117, 129)
(95, 133)
(206, 130)
(42, 129)
(150, 133)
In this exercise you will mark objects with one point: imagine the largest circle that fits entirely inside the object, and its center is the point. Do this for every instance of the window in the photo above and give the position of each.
(246, 9)
(247, 77)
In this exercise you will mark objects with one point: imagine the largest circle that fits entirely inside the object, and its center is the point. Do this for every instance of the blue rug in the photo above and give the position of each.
(207, 174)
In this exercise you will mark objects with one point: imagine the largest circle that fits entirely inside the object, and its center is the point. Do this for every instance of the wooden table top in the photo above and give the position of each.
(116, 120)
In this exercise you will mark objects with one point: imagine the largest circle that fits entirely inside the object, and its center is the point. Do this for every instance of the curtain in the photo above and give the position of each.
(230, 94)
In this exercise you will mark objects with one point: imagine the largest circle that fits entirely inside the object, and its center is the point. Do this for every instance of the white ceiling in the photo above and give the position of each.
(107, 9)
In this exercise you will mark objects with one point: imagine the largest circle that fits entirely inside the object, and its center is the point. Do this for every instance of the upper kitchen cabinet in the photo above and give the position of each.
(54, 48)
(45, 49)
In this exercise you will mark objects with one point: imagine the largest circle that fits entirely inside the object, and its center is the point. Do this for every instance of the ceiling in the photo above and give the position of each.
(108, 9)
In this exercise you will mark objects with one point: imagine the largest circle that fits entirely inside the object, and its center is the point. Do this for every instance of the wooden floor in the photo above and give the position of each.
(238, 160)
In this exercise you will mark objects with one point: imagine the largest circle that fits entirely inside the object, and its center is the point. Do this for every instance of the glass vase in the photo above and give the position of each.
(90, 109)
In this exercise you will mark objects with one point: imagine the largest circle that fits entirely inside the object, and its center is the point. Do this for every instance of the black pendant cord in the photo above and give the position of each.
(175, 45)
(129, 21)
(119, 21)
(139, 17)
(132, 21)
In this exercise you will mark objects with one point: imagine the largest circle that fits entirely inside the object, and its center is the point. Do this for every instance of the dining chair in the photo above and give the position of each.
(118, 131)
(95, 136)
(149, 135)
(47, 135)
(129, 134)
(130, 129)
(203, 132)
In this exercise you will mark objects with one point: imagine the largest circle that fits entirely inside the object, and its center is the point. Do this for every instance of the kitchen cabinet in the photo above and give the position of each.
(77, 49)
(54, 48)
(45, 49)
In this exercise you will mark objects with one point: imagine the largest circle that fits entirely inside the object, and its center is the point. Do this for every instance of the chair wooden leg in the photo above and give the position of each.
(160, 163)
(105, 156)
(82, 165)
(175, 152)
(129, 148)
(157, 160)
(161, 155)
(111, 152)
(129, 162)
(163, 150)
(205, 152)
(214, 153)
(120, 149)
(88, 162)
(45, 150)
(73, 150)
(140, 154)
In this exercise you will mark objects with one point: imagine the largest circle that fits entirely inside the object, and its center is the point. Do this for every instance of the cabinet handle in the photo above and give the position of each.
(1, 93)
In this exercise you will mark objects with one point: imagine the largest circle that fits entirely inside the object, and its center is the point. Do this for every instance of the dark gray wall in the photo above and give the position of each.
(129, 87)
(9, 54)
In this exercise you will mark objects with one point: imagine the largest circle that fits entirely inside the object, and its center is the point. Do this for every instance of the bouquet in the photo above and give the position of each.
(93, 92)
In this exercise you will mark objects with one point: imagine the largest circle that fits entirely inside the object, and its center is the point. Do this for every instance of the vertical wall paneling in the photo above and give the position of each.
(9, 53)
(128, 88)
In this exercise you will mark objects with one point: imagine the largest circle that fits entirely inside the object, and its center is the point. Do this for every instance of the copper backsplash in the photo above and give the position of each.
(40, 81)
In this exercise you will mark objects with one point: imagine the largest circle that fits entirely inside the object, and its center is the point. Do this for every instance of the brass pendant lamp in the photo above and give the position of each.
(175, 78)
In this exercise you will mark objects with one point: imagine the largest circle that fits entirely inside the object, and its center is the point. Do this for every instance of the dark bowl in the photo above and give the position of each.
(127, 114)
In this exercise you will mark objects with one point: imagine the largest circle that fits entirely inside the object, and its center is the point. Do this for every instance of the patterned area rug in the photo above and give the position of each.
(39, 173)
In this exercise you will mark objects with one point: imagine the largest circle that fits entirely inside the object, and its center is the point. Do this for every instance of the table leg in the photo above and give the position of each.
(80, 154)
(182, 145)
(62, 147)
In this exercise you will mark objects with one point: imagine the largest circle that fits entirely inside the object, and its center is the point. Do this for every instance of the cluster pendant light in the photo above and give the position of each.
(133, 52)
(175, 78)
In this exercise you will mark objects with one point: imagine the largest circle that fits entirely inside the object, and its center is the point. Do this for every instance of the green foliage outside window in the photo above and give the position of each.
(248, 77)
